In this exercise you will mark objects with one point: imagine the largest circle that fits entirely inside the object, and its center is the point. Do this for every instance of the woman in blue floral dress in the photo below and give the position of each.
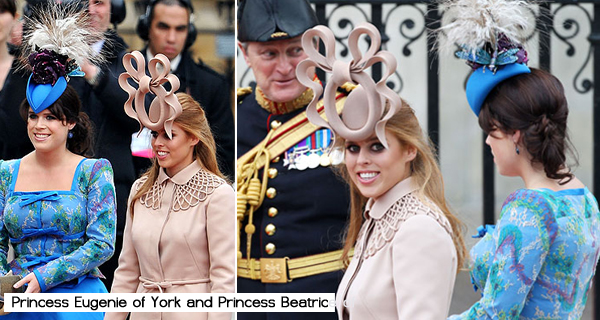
(57, 208)
(539, 260)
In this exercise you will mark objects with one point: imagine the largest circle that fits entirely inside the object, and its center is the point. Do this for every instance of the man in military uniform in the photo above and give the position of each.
(292, 218)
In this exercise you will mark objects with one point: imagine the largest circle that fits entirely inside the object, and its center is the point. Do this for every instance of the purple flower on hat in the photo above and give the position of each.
(47, 66)
(504, 44)
(522, 56)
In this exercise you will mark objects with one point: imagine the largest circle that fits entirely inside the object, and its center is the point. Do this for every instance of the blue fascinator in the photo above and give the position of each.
(42, 95)
(480, 82)
(60, 41)
(489, 35)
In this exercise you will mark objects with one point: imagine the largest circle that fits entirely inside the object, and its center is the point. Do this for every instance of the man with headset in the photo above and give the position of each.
(167, 27)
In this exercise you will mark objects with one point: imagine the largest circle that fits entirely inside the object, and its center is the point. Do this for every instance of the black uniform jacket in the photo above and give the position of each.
(312, 207)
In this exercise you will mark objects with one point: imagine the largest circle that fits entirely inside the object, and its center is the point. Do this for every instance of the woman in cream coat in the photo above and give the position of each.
(407, 243)
(178, 233)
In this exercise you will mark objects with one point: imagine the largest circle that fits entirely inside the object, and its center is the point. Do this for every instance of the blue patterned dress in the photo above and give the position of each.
(60, 236)
(539, 261)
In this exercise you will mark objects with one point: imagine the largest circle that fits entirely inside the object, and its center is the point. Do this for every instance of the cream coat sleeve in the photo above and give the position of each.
(220, 231)
(126, 279)
(424, 269)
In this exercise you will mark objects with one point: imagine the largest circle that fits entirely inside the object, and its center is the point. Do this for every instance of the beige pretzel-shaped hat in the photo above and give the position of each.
(364, 108)
(165, 107)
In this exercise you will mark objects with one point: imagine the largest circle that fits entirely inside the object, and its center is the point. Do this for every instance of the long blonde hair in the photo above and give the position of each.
(193, 121)
(425, 173)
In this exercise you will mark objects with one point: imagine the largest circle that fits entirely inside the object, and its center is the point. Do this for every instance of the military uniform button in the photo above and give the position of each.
(276, 160)
(270, 229)
(275, 124)
(270, 248)
(272, 212)
(271, 193)
(272, 173)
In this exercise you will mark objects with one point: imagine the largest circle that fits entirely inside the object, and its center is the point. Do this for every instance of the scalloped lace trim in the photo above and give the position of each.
(385, 229)
(185, 196)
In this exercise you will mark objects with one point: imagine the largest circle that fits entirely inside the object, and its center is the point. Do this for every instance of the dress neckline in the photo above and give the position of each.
(73, 180)
(564, 192)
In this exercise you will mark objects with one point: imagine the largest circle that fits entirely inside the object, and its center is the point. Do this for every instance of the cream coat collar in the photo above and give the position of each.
(183, 176)
(377, 208)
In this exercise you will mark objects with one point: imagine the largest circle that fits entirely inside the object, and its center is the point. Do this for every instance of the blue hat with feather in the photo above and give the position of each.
(60, 41)
(48, 79)
(489, 35)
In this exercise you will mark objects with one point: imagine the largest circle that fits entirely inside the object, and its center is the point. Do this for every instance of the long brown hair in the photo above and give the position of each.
(425, 173)
(193, 121)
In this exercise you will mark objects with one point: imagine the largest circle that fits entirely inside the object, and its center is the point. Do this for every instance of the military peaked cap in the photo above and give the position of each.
(268, 20)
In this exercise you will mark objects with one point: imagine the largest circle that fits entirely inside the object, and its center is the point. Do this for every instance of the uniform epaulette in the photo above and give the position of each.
(347, 87)
(242, 93)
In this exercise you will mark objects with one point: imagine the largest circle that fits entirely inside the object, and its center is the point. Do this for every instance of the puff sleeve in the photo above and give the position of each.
(4, 183)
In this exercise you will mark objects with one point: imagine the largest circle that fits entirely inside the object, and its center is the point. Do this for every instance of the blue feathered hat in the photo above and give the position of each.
(480, 82)
(48, 79)
(42, 95)
(59, 42)
(489, 34)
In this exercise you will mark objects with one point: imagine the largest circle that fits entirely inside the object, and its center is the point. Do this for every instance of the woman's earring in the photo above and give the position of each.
(517, 149)
(70, 135)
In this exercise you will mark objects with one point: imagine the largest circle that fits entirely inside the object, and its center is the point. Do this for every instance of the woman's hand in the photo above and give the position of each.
(33, 286)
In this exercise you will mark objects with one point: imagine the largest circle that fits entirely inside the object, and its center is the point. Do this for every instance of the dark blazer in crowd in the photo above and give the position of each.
(103, 102)
(14, 142)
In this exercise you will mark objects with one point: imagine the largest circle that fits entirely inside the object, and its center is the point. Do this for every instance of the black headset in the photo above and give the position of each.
(143, 25)
(117, 11)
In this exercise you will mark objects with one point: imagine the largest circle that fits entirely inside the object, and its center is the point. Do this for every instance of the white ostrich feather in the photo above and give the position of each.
(475, 23)
(63, 29)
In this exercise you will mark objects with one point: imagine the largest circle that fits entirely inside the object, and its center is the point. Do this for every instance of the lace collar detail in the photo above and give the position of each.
(384, 229)
(187, 192)
(377, 208)
(286, 107)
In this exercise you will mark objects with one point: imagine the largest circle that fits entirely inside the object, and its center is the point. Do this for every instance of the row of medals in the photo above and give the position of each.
(302, 158)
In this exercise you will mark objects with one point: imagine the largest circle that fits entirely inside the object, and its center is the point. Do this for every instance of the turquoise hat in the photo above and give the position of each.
(482, 81)
(41, 96)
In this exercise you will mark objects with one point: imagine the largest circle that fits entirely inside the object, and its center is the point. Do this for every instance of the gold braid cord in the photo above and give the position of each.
(251, 191)
(250, 186)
